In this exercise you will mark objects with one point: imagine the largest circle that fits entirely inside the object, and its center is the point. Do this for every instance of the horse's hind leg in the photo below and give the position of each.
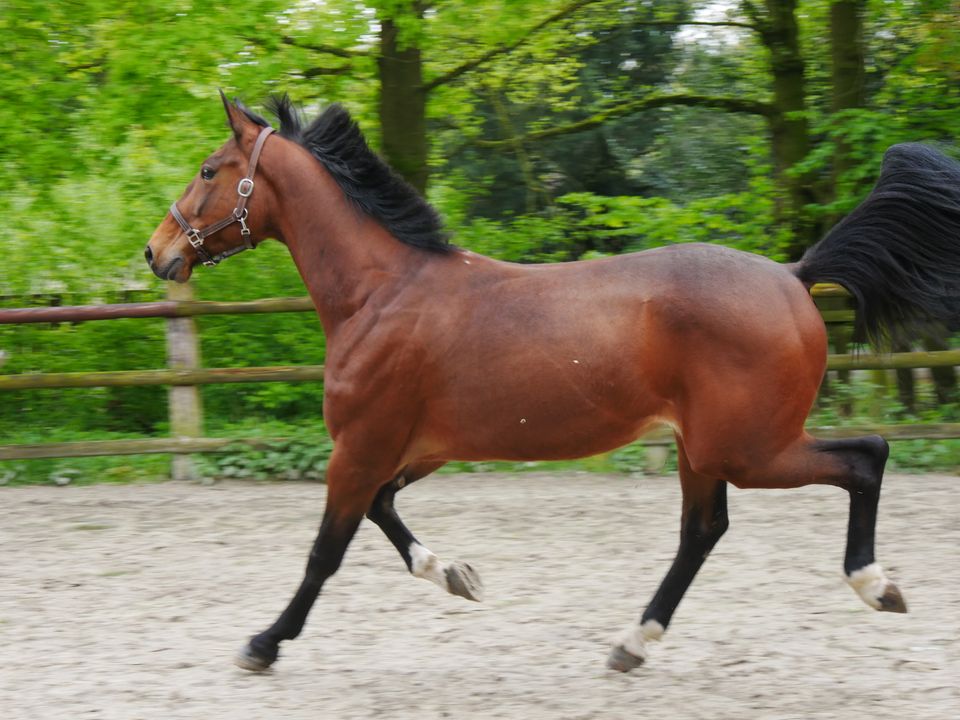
(703, 521)
(854, 464)
(457, 578)
(861, 462)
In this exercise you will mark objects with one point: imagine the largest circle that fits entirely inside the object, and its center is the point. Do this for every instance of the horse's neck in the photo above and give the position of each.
(343, 256)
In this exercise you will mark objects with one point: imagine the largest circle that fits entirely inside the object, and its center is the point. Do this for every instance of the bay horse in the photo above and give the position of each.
(436, 353)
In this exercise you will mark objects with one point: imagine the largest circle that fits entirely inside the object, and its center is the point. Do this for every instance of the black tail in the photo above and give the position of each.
(898, 252)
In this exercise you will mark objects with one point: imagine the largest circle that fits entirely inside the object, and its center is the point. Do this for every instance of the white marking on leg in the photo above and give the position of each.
(424, 564)
(635, 639)
(456, 578)
(870, 584)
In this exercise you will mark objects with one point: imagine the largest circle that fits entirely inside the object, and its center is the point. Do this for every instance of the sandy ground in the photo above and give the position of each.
(128, 602)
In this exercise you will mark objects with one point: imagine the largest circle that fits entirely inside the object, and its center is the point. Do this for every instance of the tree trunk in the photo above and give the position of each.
(847, 91)
(791, 137)
(403, 102)
(848, 71)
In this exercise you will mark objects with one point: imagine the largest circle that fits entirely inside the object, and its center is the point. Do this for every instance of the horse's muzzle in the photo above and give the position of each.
(171, 270)
(168, 271)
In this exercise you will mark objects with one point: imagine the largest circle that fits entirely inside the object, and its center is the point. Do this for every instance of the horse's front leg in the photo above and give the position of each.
(351, 487)
(457, 578)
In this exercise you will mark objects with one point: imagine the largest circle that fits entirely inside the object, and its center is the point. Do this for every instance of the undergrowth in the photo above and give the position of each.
(299, 452)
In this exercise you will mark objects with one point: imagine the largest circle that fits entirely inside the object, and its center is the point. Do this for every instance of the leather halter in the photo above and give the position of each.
(239, 215)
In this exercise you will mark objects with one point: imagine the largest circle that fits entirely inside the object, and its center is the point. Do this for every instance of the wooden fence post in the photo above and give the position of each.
(186, 411)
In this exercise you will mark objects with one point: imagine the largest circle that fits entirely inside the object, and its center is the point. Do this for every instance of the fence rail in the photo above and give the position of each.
(166, 446)
(135, 378)
(160, 309)
(139, 446)
(176, 311)
(302, 373)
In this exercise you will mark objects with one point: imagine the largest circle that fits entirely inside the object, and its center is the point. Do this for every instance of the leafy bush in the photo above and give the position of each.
(282, 460)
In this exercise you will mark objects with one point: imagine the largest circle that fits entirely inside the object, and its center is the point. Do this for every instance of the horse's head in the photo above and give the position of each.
(219, 214)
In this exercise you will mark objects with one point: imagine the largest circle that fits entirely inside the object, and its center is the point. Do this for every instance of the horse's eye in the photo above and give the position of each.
(207, 173)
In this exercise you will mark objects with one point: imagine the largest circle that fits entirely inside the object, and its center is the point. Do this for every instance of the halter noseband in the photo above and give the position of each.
(239, 215)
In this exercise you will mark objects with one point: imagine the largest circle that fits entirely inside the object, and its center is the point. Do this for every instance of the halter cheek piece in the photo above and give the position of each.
(239, 215)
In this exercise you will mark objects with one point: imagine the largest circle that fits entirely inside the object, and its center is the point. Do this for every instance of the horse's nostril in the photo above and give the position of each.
(148, 254)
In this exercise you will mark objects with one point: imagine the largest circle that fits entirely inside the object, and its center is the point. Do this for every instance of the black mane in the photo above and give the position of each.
(372, 185)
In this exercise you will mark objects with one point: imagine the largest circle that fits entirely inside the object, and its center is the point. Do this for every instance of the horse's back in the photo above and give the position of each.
(601, 349)
(710, 293)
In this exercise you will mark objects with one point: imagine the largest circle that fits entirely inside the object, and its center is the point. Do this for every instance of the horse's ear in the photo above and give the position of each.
(235, 116)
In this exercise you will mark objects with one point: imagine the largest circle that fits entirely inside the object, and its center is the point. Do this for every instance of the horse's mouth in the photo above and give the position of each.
(170, 271)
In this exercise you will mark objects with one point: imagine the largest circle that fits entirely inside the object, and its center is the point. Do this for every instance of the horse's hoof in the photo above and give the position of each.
(622, 661)
(892, 600)
(873, 587)
(249, 659)
(464, 581)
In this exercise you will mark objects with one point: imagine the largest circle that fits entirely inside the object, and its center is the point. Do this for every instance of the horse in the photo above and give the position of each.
(436, 353)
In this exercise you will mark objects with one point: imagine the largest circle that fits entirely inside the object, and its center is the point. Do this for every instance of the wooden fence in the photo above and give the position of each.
(184, 375)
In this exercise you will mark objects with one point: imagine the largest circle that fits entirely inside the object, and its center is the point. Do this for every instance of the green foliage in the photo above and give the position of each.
(637, 458)
(108, 107)
(286, 460)
(863, 402)
(259, 340)
(82, 470)
(72, 347)
(742, 220)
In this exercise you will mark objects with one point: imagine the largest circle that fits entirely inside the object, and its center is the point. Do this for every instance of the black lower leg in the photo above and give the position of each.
(859, 470)
(861, 474)
(384, 515)
(703, 523)
(325, 558)
(457, 578)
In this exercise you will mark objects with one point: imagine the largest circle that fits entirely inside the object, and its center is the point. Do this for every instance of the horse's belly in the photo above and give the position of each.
(542, 418)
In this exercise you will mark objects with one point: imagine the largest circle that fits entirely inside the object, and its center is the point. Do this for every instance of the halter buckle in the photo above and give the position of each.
(195, 239)
(245, 187)
(196, 242)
